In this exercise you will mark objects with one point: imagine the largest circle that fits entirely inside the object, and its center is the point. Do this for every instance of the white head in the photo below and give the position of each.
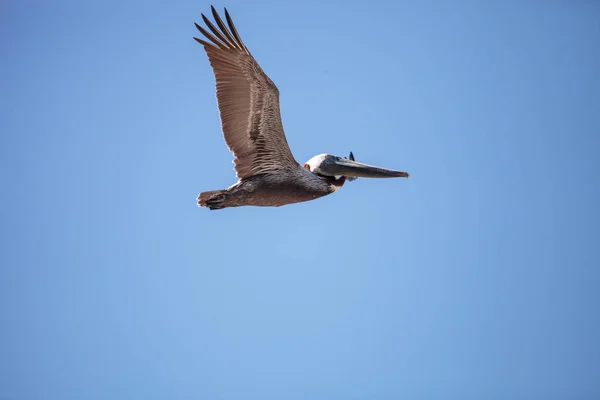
(337, 169)
(314, 165)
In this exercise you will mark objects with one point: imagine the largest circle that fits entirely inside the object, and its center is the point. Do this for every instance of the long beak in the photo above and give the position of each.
(345, 167)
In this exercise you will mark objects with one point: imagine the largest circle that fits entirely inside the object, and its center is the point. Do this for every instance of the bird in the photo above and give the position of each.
(248, 102)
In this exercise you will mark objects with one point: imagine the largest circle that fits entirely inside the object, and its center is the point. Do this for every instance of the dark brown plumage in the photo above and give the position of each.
(248, 103)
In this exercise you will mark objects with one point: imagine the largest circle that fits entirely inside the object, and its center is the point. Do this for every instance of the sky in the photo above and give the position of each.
(477, 277)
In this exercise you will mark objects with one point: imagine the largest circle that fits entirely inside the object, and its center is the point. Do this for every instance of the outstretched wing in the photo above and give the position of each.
(248, 102)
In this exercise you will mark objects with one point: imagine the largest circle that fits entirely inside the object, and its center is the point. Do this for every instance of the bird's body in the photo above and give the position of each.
(271, 190)
(249, 108)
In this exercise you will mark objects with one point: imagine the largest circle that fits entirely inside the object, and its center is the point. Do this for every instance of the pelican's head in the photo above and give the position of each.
(336, 169)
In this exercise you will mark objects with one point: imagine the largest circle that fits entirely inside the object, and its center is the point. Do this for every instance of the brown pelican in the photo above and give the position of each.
(249, 108)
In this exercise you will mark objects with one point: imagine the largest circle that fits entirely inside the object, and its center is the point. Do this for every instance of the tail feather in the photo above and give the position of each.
(213, 199)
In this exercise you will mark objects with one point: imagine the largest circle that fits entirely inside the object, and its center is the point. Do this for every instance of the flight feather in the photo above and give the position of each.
(248, 102)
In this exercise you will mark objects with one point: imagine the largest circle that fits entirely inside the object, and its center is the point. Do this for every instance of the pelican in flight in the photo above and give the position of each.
(249, 108)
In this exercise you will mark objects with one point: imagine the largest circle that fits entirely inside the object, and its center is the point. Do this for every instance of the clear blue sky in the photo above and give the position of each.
(476, 278)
